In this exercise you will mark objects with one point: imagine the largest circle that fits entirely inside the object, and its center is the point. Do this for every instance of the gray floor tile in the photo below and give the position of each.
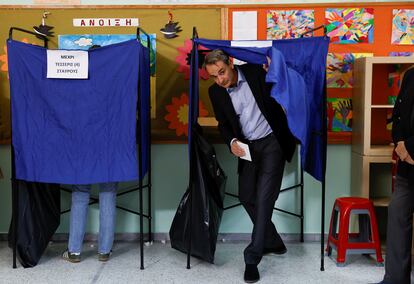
(301, 264)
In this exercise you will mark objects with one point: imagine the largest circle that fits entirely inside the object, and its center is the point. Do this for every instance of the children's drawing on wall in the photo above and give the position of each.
(5, 126)
(339, 112)
(401, 53)
(289, 24)
(402, 26)
(171, 28)
(339, 69)
(351, 25)
(43, 29)
(177, 114)
(183, 60)
(84, 42)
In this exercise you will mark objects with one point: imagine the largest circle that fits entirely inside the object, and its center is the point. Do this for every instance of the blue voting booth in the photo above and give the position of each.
(297, 72)
(75, 131)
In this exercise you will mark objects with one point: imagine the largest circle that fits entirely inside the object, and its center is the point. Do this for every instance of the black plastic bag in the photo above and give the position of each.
(38, 218)
(207, 184)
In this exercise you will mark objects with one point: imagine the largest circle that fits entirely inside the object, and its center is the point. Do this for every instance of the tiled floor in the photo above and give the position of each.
(301, 264)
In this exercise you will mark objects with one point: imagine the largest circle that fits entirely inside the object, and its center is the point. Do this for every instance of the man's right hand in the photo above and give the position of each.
(401, 150)
(403, 153)
(266, 65)
(409, 160)
(236, 149)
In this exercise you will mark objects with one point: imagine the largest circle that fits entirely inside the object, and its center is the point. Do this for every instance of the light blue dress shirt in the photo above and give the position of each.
(252, 122)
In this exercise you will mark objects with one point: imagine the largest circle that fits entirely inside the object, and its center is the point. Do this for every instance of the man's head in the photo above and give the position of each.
(219, 66)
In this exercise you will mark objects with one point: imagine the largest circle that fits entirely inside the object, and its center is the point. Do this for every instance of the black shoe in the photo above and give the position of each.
(71, 257)
(251, 274)
(104, 257)
(279, 250)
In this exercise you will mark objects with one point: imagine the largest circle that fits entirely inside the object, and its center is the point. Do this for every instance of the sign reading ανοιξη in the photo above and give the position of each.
(106, 22)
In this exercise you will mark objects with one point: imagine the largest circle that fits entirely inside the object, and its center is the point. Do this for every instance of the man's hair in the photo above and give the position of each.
(214, 56)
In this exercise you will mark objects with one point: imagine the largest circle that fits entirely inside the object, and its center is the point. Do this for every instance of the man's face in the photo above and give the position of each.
(224, 75)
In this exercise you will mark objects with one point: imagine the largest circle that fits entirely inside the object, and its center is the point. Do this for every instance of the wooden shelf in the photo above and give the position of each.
(379, 159)
(361, 166)
(380, 150)
(371, 138)
(382, 106)
(390, 60)
(371, 108)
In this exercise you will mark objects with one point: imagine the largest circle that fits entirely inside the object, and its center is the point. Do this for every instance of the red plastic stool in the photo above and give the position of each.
(366, 241)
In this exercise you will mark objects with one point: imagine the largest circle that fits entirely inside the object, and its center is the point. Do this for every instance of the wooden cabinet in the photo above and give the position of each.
(371, 140)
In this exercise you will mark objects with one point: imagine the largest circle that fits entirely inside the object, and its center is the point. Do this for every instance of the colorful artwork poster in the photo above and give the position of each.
(401, 53)
(289, 24)
(84, 42)
(351, 25)
(5, 124)
(177, 114)
(339, 112)
(183, 64)
(339, 69)
(402, 27)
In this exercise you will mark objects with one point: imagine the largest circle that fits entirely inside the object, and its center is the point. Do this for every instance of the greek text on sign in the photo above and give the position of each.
(67, 64)
(106, 22)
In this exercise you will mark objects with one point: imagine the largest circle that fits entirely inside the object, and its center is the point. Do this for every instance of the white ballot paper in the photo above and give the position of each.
(245, 147)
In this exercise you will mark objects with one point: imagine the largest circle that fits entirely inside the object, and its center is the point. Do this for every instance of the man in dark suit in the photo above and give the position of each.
(401, 207)
(246, 113)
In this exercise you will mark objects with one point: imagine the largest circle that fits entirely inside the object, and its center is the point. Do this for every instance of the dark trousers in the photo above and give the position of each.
(259, 187)
(399, 233)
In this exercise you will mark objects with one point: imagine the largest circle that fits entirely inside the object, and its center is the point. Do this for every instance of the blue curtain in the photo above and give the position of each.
(298, 74)
(78, 131)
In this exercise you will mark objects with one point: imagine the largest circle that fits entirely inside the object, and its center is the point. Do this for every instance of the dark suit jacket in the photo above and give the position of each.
(226, 116)
(403, 122)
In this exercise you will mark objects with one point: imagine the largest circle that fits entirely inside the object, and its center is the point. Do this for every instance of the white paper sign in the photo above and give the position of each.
(106, 22)
(67, 64)
(245, 25)
(249, 43)
(245, 147)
